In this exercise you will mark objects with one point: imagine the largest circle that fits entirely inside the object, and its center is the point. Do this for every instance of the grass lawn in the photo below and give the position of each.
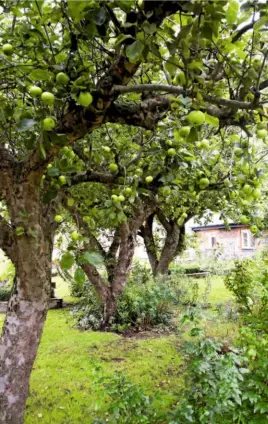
(69, 362)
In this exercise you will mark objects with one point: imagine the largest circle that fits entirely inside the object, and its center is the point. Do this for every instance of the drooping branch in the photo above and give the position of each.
(7, 239)
(146, 114)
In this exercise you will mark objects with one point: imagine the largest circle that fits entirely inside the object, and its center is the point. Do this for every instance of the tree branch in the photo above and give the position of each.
(140, 88)
(146, 114)
(92, 176)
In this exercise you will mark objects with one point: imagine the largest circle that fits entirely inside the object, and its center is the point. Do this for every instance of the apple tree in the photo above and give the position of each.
(70, 67)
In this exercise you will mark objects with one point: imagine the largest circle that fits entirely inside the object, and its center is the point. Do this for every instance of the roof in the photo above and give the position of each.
(217, 227)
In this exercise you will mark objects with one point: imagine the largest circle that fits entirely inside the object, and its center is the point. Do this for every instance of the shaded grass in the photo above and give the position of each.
(69, 361)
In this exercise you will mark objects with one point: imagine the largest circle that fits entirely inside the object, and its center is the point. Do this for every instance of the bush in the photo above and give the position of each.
(128, 403)
(5, 292)
(226, 384)
(144, 304)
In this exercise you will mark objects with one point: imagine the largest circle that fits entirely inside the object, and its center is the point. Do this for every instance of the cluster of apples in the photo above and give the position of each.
(48, 124)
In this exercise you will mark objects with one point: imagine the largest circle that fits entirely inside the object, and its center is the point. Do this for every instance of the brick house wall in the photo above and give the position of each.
(235, 243)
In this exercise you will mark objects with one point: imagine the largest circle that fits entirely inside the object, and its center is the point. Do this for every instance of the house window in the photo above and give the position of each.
(248, 242)
(213, 242)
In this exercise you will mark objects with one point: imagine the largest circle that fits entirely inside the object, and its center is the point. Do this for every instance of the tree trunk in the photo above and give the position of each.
(169, 251)
(27, 307)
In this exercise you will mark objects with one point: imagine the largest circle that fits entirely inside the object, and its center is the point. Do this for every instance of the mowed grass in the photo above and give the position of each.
(64, 385)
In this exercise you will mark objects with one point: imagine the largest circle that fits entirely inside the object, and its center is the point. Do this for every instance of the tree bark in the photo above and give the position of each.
(27, 307)
(169, 251)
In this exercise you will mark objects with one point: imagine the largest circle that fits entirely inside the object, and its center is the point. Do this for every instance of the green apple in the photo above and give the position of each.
(35, 91)
(58, 218)
(244, 219)
(128, 190)
(205, 144)
(247, 189)
(171, 152)
(62, 78)
(166, 191)
(70, 201)
(75, 236)
(184, 131)
(253, 229)
(62, 179)
(114, 197)
(84, 99)
(196, 117)
(261, 133)
(7, 49)
(48, 98)
(139, 172)
(121, 198)
(113, 167)
(49, 166)
(203, 182)
(256, 193)
(238, 151)
(184, 215)
(66, 150)
(106, 149)
(168, 143)
(48, 124)
(86, 150)
(149, 179)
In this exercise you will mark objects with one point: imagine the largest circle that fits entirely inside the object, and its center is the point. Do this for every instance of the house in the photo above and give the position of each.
(214, 239)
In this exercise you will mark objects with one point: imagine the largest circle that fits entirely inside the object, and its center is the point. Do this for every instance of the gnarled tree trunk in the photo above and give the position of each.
(173, 244)
(27, 307)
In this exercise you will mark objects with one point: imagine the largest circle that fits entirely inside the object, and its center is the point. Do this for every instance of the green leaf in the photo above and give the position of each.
(41, 75)
(261, 22)
(42, 150)
(93, 258)
(19, 231)
(25, 124)
(79, 276)
(134, 51)
(149, 28)
(212, 120)
(193, 136)
(232, 12)
(100, 17)
(67, 261)
(121, 38)
(53, 172)
(76, 9)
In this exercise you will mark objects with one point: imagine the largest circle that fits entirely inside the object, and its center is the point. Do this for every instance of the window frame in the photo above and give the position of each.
(251, 242)
(211, 242)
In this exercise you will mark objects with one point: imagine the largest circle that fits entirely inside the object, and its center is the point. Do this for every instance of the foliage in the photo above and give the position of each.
(5, 292)
(128, 402)
(224, 384)
(214, 378)
(7, 271)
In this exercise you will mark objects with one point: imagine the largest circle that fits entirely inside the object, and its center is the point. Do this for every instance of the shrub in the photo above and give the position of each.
(144, 304)
(128, 403)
